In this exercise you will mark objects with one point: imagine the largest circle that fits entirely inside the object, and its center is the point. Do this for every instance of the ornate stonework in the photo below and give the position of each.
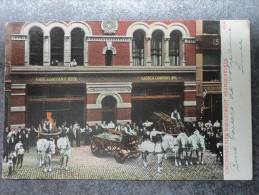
(109, 27)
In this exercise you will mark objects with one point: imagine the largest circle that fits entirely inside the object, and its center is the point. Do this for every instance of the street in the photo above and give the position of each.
(84, 165)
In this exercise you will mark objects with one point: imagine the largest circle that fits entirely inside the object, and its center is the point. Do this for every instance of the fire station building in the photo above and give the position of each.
(124, 71)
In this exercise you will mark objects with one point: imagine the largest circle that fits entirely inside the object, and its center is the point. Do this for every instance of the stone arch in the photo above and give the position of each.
(114, 51)
(158, 26)
(137, 26)
(27, 27)
(84, 26)
(61, 25)
(180, 27)
(105, 94)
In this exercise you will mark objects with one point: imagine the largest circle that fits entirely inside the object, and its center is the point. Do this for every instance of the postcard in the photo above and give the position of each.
(128, 100)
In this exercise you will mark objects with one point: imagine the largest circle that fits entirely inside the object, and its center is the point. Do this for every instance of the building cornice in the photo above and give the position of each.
(37, 70)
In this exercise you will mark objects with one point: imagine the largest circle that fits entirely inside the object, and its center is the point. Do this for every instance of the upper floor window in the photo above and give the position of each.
(138, 48)
(57, 46)
(156, 48)
(108, 58)
(211, 27)
(36, 46)
(174, 47)
(77, 46)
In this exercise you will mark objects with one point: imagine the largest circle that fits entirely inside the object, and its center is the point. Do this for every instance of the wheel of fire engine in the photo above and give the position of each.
(136, 155)
(97, 148)
(119, 156)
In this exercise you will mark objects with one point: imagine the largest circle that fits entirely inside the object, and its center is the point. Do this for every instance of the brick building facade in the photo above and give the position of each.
(126, 70)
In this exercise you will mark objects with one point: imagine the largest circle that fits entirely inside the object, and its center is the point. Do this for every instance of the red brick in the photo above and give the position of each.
(123, 113)
(18, 53)
(17, 118)
(189, 96)
(94, 115)
(18, 100)
(189, 111)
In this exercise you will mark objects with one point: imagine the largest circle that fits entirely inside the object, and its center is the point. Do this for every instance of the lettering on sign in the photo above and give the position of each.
(56, 79)
(157, 78)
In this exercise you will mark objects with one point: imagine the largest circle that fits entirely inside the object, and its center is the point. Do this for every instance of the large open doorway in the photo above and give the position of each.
(64, 102)
(109, 107)
(143, 110)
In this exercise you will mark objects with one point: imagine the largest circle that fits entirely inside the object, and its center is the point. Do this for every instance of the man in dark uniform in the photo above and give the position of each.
(87, 132)
(176, 116)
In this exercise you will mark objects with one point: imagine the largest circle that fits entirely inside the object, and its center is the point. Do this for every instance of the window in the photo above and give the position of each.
(174, 48)
(156, 48)
(57, 46)
(36, 46)
(108, 58)
(138, 48)
(77, 46)
(211, 66)
(211, 27)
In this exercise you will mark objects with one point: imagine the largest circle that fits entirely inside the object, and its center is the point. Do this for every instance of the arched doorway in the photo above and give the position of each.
(109, 105)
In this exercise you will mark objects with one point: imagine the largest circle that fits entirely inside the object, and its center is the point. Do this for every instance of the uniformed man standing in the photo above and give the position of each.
(176, 116)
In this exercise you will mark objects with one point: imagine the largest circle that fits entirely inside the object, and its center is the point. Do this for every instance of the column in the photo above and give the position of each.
(27, 51)
(67, 50)
(148, 51)
(166, 53)
(183, 51)
(86, 52)
(46, 51)
(130, 49)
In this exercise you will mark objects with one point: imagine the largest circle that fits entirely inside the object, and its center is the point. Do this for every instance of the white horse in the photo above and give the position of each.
(184, 147)
(45, 149)
(197, 142)
(64, 146)
(156, 148)
(174, 145)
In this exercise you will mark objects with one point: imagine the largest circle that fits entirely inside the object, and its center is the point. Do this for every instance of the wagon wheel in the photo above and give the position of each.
(136, 155)
(97, 148)
(119, 156)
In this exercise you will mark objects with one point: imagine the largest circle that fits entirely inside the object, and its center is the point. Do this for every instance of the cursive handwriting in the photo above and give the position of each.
(232, 134)
(234, 164)
(240, 64)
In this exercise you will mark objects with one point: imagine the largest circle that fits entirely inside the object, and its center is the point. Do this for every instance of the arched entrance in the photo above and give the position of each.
(109, 106)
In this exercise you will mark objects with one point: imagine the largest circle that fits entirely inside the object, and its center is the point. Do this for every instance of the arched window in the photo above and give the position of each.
(109, 106)
(138, 48)
(77, 46)
(156, 48)
(174, 48)
(36, 46)
(108, 58)
(57, 46)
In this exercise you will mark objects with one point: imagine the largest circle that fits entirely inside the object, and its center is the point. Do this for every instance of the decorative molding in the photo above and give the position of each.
(109, 88)
(190, 91)
(189, 103)
(99, 106)
(190, 119)
(108, 38)
(17, 126)
(189, 39)
(114, 51)
(18, 109)
(16, 37)
(109, 27)
(18, 86)
(189, 83)
(18, 94)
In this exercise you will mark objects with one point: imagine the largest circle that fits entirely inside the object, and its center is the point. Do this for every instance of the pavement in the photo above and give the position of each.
(84, 165)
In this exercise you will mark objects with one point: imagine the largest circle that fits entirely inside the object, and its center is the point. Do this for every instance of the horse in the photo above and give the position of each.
(64, 146)
(184, 147)
(197, 143)
(159, 149)
(45, 149)
(174, 145)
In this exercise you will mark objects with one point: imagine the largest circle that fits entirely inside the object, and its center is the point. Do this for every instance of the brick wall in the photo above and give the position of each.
(17, 118)
(18, 53)
(190, 55)
(123, 113)
(189, 111)
(189, 96)
(93, 115)
(18, 100)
